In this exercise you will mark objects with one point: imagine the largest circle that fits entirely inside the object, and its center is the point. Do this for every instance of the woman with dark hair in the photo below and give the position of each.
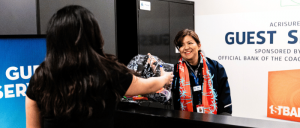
(200, 83)
(78, 85)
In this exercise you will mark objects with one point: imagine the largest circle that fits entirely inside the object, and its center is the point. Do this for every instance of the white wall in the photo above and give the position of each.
(248, 79)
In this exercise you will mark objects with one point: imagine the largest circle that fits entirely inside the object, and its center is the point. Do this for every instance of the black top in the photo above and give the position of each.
(98, 119)
(196, 76)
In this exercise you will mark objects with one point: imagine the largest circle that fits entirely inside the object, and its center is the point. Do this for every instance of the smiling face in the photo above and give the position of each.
(189, 50)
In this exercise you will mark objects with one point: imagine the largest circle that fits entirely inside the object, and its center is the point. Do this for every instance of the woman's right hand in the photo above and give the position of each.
(167, 75)
(141, 86)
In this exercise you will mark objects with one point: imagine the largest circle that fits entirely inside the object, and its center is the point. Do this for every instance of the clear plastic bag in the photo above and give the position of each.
(149, 66)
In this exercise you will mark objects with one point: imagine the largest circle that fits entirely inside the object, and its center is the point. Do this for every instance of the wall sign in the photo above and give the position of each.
(145, 5)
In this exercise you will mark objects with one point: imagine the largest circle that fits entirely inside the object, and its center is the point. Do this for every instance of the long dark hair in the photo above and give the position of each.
(76, 73)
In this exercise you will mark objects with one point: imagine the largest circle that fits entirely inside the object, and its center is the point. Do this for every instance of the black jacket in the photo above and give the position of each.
(220, 84)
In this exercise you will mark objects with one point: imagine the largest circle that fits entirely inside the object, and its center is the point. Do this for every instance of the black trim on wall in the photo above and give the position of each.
(22, 36)
(38, 23)
(137, 13)
(126, 33)
(179, 1)
(116, 27)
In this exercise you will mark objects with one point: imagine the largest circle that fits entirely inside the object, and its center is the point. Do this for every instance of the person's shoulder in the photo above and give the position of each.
(40, 70)
(40, 74)
(175, 65)
(215, 63)
(175, 70)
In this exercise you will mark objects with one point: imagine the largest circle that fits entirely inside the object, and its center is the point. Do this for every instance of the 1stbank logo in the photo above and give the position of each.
(284, 95)
(285, 111)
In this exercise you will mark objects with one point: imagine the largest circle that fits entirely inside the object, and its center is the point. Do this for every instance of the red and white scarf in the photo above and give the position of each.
(208, 93)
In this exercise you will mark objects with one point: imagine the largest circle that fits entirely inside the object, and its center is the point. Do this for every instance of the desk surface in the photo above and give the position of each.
(139, 116)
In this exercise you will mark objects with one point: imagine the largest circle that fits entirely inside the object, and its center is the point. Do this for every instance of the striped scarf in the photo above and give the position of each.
(208, 93)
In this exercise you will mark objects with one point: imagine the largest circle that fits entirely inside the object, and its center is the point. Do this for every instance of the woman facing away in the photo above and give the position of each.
(78, 85)
(200, 83)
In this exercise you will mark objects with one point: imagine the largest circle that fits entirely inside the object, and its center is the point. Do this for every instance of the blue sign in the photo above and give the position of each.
(19, 57)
